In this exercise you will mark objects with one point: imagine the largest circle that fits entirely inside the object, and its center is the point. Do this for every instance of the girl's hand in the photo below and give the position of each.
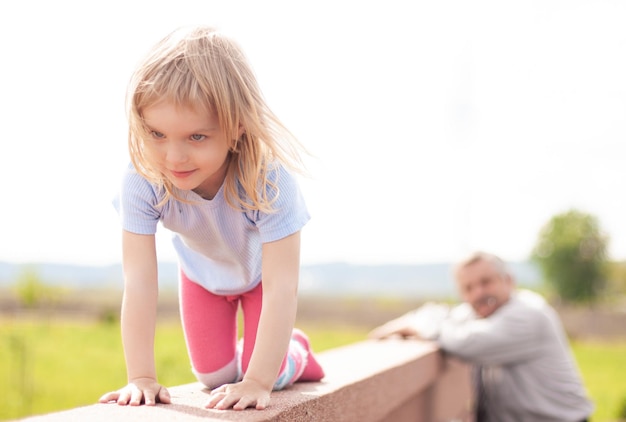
(141, 390)
(239, 396)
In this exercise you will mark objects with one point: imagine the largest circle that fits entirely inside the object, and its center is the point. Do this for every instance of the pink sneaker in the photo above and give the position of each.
(313, 371)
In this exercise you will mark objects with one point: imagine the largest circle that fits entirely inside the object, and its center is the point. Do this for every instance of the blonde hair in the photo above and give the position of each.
(200, 67)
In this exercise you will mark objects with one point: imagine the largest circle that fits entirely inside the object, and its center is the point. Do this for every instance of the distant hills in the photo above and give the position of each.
(419, 280)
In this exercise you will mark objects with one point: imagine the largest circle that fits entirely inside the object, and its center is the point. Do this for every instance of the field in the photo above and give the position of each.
(52, 363)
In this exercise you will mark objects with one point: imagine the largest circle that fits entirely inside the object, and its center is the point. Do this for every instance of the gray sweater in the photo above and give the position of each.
(528, 371)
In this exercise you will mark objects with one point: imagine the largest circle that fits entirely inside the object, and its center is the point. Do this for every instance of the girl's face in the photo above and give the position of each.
(188, 147)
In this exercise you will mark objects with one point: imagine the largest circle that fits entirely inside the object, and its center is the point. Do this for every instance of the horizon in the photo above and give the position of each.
(302, 264)
(433, 280)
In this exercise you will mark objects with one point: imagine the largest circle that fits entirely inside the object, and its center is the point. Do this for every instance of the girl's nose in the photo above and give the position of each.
(176, 153)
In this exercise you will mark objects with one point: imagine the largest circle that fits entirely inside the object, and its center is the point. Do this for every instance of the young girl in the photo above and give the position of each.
(210, 162)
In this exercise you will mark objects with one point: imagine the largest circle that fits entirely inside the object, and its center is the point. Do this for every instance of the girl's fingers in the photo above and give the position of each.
(220, 389)
(123, 398)
(214, 399)
(164, 396)
(227, 402)
(262, 403)
(109, 397)
(244, 403)
(136, 396)
(149, 398)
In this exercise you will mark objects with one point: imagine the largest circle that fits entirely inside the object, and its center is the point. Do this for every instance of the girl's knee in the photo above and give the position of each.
(227, 374)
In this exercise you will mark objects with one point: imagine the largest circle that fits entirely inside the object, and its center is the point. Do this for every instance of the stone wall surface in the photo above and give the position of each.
(389, 380)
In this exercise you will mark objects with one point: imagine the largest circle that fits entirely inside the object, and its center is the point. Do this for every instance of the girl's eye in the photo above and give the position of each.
(157, 135)
(197, 137)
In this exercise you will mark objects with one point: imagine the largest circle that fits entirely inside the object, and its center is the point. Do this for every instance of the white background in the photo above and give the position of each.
(436, 127)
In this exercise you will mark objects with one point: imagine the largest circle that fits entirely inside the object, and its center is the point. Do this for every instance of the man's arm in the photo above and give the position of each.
(423, 323)
(510, 336)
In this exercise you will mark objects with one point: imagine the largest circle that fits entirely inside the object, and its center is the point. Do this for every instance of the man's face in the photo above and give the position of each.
(484, 287)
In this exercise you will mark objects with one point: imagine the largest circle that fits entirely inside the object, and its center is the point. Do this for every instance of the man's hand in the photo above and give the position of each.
(141, 390)
(422, 323)
(239, 396)
(399, 327)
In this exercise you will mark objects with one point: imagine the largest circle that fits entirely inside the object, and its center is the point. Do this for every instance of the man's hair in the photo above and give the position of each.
(480, 256)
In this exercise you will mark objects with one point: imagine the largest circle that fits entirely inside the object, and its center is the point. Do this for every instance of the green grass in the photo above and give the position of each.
(602, 365)
(51, 366)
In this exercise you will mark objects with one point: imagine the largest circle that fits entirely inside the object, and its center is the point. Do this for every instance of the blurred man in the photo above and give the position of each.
(525, 371)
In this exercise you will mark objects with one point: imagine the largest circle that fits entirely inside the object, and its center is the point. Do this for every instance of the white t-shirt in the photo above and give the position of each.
(218, 247)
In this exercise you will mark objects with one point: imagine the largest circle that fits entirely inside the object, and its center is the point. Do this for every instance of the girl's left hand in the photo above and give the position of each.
(239, 396)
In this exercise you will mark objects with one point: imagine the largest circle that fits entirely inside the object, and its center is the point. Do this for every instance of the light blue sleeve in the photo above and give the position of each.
(136, 204)
(291, 213)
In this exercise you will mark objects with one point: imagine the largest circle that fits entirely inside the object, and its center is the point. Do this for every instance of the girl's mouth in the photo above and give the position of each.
(181, 174)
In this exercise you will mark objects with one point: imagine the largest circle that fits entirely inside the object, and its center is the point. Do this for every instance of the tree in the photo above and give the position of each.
(29, 288)
(32, 291)
(616, 284)
(571, 253)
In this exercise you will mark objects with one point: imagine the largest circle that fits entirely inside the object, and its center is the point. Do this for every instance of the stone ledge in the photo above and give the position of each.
(365, 381)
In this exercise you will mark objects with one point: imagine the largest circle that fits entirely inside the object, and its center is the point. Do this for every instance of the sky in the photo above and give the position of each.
(435, 127)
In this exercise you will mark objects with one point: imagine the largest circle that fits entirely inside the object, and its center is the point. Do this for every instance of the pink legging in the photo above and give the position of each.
(210, 326)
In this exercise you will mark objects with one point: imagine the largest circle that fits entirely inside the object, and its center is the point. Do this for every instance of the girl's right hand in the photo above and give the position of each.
(141, 390)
